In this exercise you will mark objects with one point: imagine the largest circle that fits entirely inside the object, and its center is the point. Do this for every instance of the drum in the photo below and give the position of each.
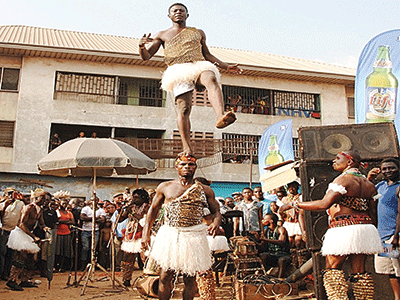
(148, 285)
(151, 267)
(245, 249)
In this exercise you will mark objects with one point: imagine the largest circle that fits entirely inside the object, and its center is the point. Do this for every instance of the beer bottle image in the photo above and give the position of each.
(381, 90)
(274, 156)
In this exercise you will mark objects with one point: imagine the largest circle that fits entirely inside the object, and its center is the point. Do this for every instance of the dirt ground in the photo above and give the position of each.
(101, 287)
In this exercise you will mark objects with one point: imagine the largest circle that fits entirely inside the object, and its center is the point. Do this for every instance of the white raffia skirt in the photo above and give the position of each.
(218, 243)
(352, 239)
(182, 249)
(181, 78)
(20, 241)
(132, 246)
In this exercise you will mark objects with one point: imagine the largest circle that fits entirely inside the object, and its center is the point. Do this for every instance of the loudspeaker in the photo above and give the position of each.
(315, 179)
(371, 141)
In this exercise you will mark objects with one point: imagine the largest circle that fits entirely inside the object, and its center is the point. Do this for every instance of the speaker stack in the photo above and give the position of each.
(319, 145)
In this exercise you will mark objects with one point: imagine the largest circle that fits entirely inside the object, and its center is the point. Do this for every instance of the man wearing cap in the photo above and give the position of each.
(10, 213)
(24, 242)
(351, 204)
(181, 243)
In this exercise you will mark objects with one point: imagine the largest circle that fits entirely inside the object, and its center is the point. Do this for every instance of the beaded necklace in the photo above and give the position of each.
(353, 171)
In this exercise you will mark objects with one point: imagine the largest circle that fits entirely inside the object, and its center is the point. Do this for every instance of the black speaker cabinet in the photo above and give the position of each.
(371, 141)
(315, 179)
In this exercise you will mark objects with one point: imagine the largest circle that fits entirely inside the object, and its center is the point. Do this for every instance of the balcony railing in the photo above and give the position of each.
(170, 148)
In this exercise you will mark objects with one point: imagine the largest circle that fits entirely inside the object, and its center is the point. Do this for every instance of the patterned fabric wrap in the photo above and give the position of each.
(186, 210)
(184, 47)
(347, 220)
(355, 203)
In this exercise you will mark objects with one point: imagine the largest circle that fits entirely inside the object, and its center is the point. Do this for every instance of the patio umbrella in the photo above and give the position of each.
(87, 157)
(92, 157)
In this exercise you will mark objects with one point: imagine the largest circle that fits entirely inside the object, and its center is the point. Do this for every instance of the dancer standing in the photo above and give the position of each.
(190, 66)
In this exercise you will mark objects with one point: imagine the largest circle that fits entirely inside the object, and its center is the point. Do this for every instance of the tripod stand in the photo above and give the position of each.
(90, 268)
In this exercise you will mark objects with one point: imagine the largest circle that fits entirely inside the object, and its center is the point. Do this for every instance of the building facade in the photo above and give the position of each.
(55, 81)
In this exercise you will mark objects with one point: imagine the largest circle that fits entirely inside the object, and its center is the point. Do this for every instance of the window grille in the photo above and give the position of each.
(296, 148)
(141, 92)
(84, 87)
(247, 100)
(7, 133)
(9, 79)
(240, 145)
(295, 104)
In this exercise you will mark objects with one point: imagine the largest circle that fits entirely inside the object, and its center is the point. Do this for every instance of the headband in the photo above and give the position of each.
(364, 165)
(186, 157)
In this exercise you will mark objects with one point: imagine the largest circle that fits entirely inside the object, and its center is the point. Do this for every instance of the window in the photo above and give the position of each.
(84, 87)
(9, 79)
(271, 102)
(108, 89)
(240, 145)
(351, 108)
(141, 92)
(7, 133)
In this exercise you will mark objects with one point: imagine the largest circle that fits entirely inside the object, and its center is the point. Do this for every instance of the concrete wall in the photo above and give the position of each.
(35, 110)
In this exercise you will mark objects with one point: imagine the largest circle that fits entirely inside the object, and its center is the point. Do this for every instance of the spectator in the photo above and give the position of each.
(252, 213)
(94, 135)
(229, 204)
(259, 196)
(388, 218)
(291, 216)
(274, 209)
(127, 194)
(246, 160)
(117, 228)
(237, 197)
(274, 248)
(86, 217)
(49, 248)
(235, 160)
(63, 241)
(81, 134)
(55, 141)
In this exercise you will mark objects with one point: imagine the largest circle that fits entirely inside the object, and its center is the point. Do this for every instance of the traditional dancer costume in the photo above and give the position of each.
(25, 247)
(132, 237)
(181, 243)
(350, 234)
(185, 60)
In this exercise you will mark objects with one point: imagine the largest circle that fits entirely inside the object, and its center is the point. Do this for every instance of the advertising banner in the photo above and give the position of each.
(376, 86)
(276, 145)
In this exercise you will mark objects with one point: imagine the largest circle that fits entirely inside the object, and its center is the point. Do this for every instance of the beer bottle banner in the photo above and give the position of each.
(276, 145)
(376, 85)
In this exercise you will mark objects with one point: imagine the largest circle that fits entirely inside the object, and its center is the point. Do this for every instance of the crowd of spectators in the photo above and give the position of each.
(68, 227)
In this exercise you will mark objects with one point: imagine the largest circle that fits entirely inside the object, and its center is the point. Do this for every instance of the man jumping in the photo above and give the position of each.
(190, 65)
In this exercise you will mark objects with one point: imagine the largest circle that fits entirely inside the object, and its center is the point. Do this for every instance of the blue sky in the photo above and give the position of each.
(329, 31)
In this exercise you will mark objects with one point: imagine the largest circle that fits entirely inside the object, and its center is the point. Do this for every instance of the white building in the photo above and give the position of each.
(56, 81)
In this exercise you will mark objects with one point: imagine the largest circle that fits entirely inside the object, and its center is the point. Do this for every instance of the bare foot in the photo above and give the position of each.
(226, 120)
(185, 152)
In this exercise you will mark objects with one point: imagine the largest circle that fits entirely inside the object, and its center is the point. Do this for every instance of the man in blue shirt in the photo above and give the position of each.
(388, 218)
